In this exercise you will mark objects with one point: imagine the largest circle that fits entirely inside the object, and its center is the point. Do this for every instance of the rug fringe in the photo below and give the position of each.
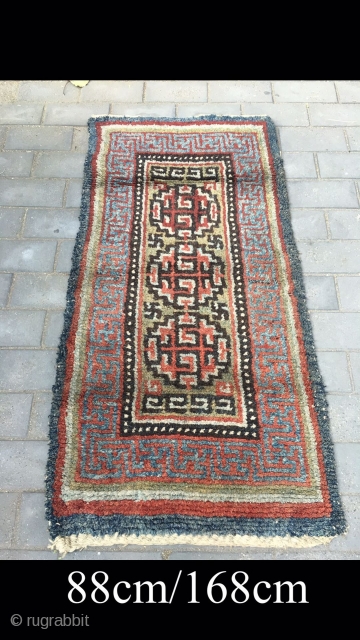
(68, 544)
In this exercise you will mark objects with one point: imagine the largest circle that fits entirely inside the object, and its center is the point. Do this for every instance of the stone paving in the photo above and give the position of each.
(43, 140)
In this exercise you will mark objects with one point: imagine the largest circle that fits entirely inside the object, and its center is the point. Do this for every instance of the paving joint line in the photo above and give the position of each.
(347, 140)
(45, 326)
(43, 113)
(350, 371)
(65, 192)
(357, 189)
(17, 518)
(327, 223)
(272, 92)
(337, 291)
(317, 168)
(332, 311)
(72, 140)
(26, 348)
(30, 414)
(19, 439)
(5, 138)
(12, 284)
(34, 163)
(23, 223)
(337, 93)
(39, 308)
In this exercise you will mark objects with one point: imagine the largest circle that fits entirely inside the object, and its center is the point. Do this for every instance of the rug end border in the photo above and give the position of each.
(69, 544)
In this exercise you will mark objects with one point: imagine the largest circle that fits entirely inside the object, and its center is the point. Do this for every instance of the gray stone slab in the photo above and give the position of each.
(344, 225)
(65, 255)
(334, 115)
(39, 137)
(310, 139)
(238, 554)
(165, 110)
(348, 90)
(51, 223)
(349, 290)
(339, 165)
(304, 91)
(27, 370)
(15, 163)
(15, 414)
(20, 328)
(11, 221)
(336, 330)
(320, 292)
(20, 113)
(239, 91)
(8, 90)
(318, 553)
(208, 108)
(22, 465)
(48, 91)
(113, 555)
(29, 192)
(3, 131)
(322, 193)
(8, 502)
(59, 165)
(299, 165)
(39, 418)
(16, 554)
(347, 456)
(283, 115)
(46, 291)
(54, 327)
(355, 368)
(330, 257)
(334, 370)
(176, 91)
(73, 197)
(32, 530)
(113, 91)
(74, 114)
(351, 540)
(80, 139)
(353, 134)
(27, 255)
(308, 223)
(345, 418)
(5, 282)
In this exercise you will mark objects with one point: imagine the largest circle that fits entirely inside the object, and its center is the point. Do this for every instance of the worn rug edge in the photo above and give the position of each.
(65, 544)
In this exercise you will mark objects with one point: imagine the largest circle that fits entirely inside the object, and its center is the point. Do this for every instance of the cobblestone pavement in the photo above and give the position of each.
(43, 140)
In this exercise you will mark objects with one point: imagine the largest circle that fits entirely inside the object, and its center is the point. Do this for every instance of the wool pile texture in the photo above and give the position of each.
(188, 405)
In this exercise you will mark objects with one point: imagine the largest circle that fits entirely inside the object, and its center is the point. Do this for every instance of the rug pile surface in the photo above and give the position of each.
(188, 405)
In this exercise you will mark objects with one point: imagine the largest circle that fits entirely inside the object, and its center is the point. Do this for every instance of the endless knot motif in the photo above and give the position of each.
(185, 275)
(187, 350)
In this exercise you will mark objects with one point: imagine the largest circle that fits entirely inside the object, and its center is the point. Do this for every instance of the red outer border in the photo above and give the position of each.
(204, 508)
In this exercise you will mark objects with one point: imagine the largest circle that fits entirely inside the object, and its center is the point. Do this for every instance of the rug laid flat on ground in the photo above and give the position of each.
(188, 405)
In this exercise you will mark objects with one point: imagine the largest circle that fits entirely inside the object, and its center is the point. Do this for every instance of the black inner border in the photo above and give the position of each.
(128, 428)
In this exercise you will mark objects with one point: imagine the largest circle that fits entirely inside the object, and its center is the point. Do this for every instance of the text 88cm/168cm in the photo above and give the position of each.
(160, 593)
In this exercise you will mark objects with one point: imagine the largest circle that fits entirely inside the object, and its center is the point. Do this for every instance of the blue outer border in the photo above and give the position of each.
(170, 524)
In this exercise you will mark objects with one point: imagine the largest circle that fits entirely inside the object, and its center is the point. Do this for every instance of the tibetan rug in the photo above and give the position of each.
(188, 405)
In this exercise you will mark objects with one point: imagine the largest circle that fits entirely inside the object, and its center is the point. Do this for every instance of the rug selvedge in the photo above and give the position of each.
(294, 502)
